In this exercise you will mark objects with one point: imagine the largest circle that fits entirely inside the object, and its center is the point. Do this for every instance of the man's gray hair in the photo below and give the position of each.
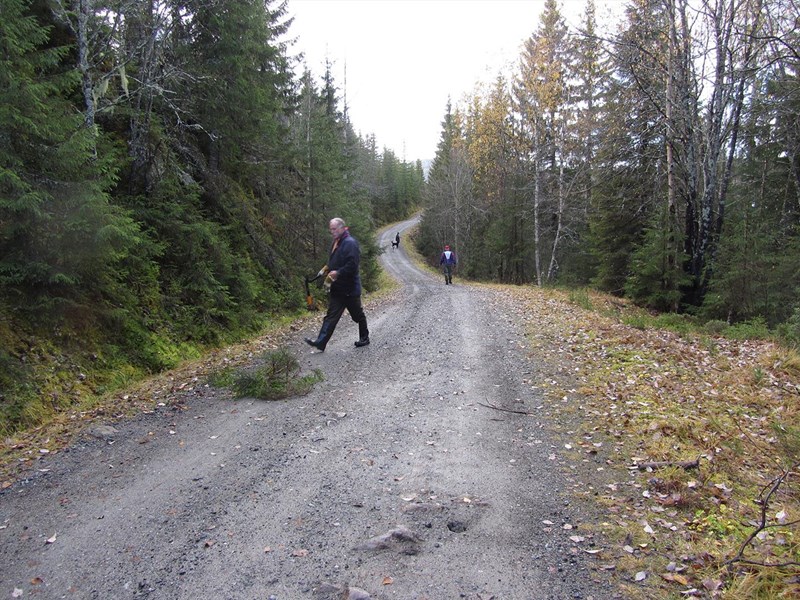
(339, 221)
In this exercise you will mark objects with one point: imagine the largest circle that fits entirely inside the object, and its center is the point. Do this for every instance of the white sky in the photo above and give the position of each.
(405, 57)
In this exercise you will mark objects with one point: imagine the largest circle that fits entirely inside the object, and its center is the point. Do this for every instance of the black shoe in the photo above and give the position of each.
(315, 344)
(362, 342)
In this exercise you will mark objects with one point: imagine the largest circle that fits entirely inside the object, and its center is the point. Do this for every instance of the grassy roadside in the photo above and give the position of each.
(135, 393)
(714, 515)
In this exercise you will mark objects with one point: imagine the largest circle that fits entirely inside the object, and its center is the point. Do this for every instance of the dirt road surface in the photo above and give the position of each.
(393, 478)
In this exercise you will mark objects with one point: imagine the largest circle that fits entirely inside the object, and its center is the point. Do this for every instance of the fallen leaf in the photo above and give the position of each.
(675, 578)
(388, 581)
(51, 540)
(300, 553)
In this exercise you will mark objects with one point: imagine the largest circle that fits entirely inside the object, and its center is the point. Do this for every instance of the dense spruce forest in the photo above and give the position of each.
(167, 171)
(167, 179)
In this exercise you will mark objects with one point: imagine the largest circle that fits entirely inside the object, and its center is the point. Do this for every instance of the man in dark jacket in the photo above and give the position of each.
(345, 286)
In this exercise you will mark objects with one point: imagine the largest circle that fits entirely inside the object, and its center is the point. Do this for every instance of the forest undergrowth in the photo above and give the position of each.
(689, 442)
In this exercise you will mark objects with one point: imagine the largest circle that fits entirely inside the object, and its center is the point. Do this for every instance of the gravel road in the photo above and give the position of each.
(393, 478)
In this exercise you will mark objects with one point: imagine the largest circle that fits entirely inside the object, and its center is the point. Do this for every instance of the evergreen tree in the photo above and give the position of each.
(212, 175)
(448, 193)
(497, 246)
(590, 75)
(60, 239)
(631, 187)
(653, 281)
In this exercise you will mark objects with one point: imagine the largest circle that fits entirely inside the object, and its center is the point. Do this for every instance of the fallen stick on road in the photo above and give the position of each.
(516, 412)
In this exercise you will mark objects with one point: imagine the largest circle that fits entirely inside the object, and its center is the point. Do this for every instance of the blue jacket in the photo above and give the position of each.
(345, 260)
(448, 257)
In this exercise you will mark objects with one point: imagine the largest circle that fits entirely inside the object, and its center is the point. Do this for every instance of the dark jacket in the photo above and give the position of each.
(345, 261)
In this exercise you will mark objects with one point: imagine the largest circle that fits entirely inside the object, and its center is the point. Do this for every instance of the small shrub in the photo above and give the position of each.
(789, 332)
(715, 327)
(679, 323)
(222, 378)
(752, 329)
(682, 324)
(639, 321)
(278, 378)
(719, 523)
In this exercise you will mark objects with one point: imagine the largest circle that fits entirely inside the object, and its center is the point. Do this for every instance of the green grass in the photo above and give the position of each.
(580, 297)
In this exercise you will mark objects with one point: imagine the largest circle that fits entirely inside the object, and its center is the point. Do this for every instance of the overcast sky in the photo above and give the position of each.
(405, 57)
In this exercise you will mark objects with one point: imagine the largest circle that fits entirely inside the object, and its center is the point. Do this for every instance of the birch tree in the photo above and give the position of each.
(542, 102)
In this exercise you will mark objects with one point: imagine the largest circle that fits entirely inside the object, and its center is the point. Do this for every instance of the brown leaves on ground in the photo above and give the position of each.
(627, 395)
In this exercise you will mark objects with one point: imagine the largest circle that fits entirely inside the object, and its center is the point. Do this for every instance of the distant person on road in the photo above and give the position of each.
(448, 262)
(345, 286)
(397, 239)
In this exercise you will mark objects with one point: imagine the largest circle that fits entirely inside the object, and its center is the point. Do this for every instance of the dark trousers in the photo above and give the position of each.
(448, 273)
(336, 306)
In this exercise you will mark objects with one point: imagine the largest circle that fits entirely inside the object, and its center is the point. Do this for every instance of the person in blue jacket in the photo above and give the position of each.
(448, 260)
(344, 285)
